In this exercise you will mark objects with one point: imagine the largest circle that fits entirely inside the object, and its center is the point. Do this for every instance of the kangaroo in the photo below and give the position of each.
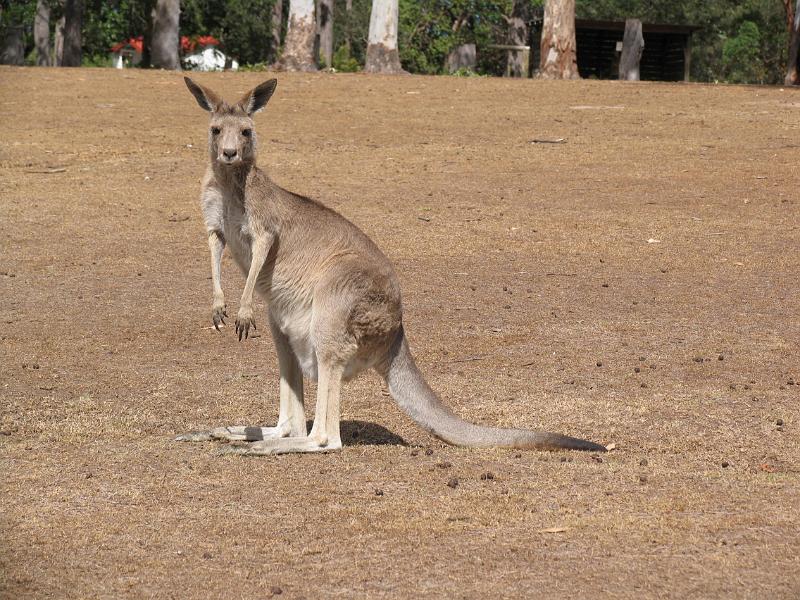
(333, 298)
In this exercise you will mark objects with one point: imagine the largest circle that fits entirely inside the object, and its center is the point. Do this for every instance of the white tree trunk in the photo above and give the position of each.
(41, 34)
(517, 36)
(632, 48)
(59, 41)
(382, 55)
(558, 48)
(325, 28)
(165, 42)
(298, 47)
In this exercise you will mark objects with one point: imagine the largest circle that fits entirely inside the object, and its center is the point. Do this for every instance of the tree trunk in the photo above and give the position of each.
(788, 8)
(301, 33)
(59, 41)
(41, 34)
(382, 55)
(325, 28)
(165, 41)
(13, 51)
(558, 48)
(517, 36)
(73, 20)
(277, 24)
(462, 57)
(792, 75)
(348, 27)
(632, 48)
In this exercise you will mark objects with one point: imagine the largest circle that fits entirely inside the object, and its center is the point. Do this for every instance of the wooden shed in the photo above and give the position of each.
(666, 56)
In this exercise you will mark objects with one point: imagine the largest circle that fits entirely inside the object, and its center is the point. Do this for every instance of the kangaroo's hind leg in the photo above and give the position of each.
(335, 349)
(291, 417)
(324, 436)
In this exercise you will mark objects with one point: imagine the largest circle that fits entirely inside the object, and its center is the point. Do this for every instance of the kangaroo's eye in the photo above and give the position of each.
(247, 132)
(215, 131)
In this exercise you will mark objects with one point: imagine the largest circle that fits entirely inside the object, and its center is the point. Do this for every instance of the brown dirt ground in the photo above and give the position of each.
(524, 266)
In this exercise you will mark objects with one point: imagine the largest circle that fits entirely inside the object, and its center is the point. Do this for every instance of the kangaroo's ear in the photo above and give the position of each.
(207, 99)
(254, 100)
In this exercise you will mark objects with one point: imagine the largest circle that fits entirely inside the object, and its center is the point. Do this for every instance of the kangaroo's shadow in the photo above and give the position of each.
(354, 433)
(364, 433)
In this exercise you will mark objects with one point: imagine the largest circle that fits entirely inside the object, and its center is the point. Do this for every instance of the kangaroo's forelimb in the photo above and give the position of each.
(216, 244)
(260, 249)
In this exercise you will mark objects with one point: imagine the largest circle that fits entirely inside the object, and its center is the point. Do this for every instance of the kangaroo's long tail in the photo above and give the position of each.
(413, 394)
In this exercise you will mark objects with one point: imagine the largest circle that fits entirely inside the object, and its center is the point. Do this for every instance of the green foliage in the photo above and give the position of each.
(430, 30)
(106, 23)
(740, 55)
(342, 61)
(254, 67)
(465, 72)
(738, 40)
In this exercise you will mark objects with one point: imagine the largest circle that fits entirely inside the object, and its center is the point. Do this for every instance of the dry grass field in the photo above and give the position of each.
(636, 284)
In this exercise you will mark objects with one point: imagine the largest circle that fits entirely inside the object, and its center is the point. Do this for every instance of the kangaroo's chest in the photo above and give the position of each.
(238, 238)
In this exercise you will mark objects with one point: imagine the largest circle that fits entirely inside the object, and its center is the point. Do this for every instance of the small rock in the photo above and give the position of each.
(642, 359)
(643, 462)
(208, 555)
(637, 370)
(563, 459)
(642, 479)
(597, 458)
(428, 452)
(643, 385)
(275, 590)
(414, 452)
(444, 465)
(663, 269)
(779, 422)
(725, 464)
(605, 285)
(698, 359)
(379, 492)
(453, 482)
(790, 382)
(720, 357)
(518, 455)
(599, 364)
(488, 475)
(35, 366)
(88, 475)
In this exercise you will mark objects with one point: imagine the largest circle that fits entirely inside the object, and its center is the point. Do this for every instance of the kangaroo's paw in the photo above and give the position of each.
(194, 436)
(244, 433)
(281, 446)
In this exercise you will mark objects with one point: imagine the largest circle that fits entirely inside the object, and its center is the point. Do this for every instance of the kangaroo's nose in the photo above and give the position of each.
(229, 153)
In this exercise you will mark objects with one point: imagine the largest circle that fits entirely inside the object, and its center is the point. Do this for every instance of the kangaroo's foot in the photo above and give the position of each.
(284, 445)
(237, 433)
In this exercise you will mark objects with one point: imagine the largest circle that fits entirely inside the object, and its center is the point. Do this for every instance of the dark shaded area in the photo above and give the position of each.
(354, 433)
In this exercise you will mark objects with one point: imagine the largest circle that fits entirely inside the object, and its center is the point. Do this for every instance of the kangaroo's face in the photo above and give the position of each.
(231, 138)
(231, 135)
